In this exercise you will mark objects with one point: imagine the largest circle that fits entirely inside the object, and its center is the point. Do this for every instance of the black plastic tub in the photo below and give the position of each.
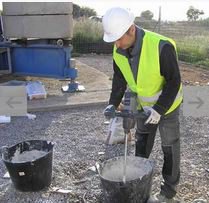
(30, 174)
(138, 185)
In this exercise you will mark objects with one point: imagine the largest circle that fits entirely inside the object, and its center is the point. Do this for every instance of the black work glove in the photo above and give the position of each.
(109, 111)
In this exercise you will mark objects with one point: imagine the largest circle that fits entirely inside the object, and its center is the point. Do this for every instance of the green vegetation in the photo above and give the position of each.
(148, 15)
(194, 49)
(87, 31)
(193, 13)
(192, 39)
(87, 37)
(82, 11)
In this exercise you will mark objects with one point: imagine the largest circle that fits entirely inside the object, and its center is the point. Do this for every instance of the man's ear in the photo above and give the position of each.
(132, 29)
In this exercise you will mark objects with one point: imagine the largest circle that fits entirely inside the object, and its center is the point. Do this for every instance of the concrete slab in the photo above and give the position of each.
(68, 101)
(38, 26)
(34, 8)
(97, 86)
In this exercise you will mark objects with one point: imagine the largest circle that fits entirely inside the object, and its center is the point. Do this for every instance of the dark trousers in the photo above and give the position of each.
(170, 139)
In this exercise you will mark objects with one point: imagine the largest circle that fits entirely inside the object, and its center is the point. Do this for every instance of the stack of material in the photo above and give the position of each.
(36, 90)
(44, 20)
(116, 132)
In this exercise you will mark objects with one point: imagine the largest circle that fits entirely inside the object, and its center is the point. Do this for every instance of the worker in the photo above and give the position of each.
(146, 62)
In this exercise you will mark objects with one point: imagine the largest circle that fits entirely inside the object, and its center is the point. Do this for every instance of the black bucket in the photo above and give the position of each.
(29, 164)
(139, 172)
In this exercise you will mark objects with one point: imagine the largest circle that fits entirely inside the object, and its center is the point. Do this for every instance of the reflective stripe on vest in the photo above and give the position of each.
(154, 98)
(149, 80)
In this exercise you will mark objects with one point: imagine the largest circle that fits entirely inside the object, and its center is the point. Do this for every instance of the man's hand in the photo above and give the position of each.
(109, 112)
(154, 116)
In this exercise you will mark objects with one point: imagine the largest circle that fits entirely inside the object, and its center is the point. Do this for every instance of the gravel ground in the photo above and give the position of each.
(79, 136)
(77, 148)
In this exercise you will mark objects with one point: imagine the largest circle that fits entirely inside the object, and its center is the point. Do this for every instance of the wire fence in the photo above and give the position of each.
(192, 39)
(92, 47)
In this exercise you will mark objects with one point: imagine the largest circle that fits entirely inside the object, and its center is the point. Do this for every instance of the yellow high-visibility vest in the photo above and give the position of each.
(149, 83)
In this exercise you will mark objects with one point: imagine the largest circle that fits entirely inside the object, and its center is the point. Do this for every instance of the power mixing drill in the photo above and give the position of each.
(129, 113)
(130, 107)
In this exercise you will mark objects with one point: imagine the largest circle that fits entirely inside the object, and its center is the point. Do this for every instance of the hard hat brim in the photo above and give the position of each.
(110, 38)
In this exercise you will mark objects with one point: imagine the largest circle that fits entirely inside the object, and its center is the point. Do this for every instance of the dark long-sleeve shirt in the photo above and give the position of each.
(169, 69)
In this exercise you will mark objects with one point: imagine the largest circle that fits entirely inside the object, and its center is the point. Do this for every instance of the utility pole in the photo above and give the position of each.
(159, 19)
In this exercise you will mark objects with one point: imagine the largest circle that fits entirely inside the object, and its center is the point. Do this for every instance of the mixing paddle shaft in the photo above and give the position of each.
(125, 158)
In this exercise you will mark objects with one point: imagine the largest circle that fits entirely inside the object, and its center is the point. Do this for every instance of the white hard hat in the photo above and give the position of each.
(116, 22)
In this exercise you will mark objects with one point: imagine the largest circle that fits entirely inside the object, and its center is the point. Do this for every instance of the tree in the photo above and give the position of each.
(148, 15)
(87, 12)
(193, 14)
(76, 11)
(83, 11)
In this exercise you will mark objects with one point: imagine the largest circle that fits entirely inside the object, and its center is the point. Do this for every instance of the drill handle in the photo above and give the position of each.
(127, 114)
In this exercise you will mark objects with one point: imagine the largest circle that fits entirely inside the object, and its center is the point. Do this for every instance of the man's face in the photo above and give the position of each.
(126, 40)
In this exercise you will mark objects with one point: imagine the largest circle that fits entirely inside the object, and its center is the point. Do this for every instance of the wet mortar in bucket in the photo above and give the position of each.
(29, 164)
(114, 171)
(138, 183)
(27, 156)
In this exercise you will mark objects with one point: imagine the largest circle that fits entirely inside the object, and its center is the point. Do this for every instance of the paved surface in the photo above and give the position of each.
(97, 90)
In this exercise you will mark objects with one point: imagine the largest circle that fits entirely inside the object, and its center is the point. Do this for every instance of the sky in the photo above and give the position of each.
(171, 10)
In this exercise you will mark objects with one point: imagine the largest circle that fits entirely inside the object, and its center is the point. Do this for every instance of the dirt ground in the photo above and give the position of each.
(191, 75)
(73, 154)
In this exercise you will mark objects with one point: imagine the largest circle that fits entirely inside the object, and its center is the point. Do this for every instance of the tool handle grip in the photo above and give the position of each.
(126, 114)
